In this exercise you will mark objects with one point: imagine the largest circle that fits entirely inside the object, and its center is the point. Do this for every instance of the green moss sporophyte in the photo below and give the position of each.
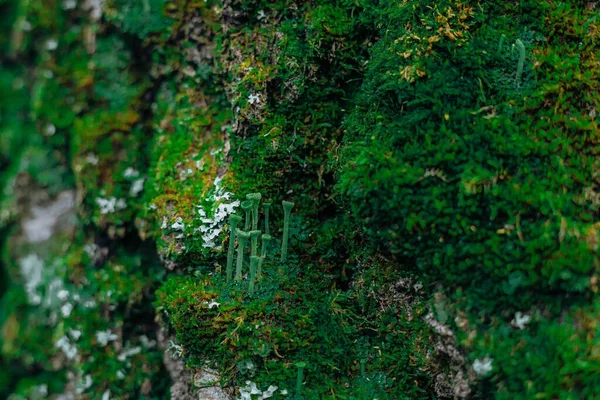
(234, 221)
(299, 378)
(521, 49)
(254, 237)
(254, 261)
(255, 199)
(287, 209)
(242, 239)
(263, 254)
(267, 208)
(247, 207)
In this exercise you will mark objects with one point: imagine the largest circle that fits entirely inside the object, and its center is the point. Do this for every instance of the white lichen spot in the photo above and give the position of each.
(90, 249)
(69, 349)
(32, 268)
(269, 392)
(90, 304)
(137, 186)
(110, 205)
(146, 342)
(106, 395)
(250, 391)
(84, 384)
(178, 225)
(520, 320)
(211, 304)
(120, 374)
(95, 8)
(42, 222)
(69, 4)
(66, 310)
(50, 129)
(129, 353)
(254, 98)
(52, 44)
(104, 337)
(175, 349)
(131, 173)
(247, 391)
(483, 367)
(62, 295)
(261, 15)
(74, 333)
(92, 159)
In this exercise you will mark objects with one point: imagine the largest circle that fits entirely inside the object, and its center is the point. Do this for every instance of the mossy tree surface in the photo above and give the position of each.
(442, 161)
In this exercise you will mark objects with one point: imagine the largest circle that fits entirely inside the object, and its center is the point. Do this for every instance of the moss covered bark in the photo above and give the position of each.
(442, 161)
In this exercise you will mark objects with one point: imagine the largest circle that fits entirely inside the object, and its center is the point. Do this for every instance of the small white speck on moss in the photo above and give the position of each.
(84, 384)
(254, 98)
(129, 353)
(62, 295)
(69, 349)
(69, 4)
(92, 159)
(178, 225)
(137, 186)
(74, 333)
(520, 320)
(483, 367)
(131, 173)
(104, 337)
(110, 205)
(52, 44)
(66, 310)
(32, 268)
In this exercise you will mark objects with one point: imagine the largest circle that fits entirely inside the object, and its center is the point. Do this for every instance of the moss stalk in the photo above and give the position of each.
(521, 48)
(267, 208)
(254, 237)
(234, 221)
(263, 254)
(287, 209)
(255, 199)
(247, 207)
(242, 239)
(299, 378)
(254, 260)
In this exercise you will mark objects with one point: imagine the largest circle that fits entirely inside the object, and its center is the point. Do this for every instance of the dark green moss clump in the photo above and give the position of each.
(259, 338)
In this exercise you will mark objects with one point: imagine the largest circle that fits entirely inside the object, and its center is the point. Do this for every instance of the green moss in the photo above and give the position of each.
(444, 141)
(141, 18)
(280, 326)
